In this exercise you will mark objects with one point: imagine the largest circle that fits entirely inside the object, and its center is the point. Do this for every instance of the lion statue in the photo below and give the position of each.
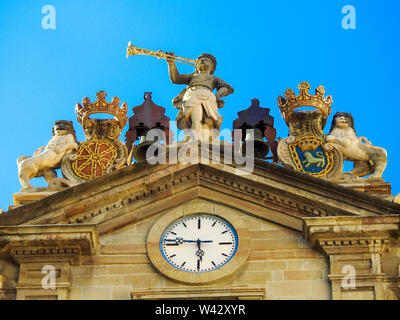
(367, 159)
(43, 164)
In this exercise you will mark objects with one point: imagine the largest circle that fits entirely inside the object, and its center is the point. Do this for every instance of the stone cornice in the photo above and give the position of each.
(325, 188)
(48, 240)
(271, 186)
(354, 246)
(347, 232)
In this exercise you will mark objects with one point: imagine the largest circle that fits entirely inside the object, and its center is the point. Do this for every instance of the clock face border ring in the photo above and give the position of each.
(234, 265)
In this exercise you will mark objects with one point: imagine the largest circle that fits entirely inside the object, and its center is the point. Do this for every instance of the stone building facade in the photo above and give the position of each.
(299, 237)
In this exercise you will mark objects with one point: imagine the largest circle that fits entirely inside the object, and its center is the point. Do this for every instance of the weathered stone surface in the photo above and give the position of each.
(301, 232)
(356, 246)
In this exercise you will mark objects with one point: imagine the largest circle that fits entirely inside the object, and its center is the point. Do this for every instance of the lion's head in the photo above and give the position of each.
(62, 127)
(342, 120)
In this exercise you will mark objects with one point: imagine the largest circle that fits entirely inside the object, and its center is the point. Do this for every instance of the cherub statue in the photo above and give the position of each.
(367, 159)
(197, 103)
(43, 164)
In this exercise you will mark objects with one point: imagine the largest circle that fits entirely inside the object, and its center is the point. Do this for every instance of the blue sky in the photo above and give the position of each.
(262, 48)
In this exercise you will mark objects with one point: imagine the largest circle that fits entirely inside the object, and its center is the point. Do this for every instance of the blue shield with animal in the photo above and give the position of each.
(310, 157)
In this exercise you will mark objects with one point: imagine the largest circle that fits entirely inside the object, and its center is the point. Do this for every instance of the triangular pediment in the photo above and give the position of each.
(270, 193)
(133, 237)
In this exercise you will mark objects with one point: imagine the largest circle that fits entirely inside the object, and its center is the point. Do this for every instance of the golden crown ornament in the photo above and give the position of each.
(291, 102)
(102, 106)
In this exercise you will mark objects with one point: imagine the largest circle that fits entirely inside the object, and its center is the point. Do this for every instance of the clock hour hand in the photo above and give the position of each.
(198, 253)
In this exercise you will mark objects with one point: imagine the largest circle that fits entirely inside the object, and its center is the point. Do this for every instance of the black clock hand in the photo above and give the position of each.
(180, 240)
(198, 245)
(200, 254)
(177, 240)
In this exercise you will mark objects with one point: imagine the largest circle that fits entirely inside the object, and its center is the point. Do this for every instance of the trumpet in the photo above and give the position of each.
(132, 50)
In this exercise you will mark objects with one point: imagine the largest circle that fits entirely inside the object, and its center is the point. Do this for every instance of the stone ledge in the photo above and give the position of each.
(349, 228)
(241, 293)
(375, 188)
(24, 197)
(49, 239)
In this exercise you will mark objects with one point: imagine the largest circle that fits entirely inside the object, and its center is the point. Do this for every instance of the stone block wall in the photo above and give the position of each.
(280, 263)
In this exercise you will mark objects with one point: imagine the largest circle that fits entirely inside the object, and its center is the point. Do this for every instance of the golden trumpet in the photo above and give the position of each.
(132, 50)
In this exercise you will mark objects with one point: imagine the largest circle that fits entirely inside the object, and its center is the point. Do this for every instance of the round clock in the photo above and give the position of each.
(198, 248)
(199, 243)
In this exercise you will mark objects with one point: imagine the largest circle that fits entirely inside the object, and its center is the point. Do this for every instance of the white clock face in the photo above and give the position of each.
(199, 243)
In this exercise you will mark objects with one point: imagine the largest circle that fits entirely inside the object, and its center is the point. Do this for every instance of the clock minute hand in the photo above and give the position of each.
(180, 240)
(177, 241)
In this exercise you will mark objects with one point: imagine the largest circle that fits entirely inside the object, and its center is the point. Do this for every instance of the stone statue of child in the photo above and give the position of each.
(197, 103)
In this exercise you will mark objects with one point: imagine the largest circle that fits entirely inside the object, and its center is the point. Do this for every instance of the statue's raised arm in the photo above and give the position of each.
(174, 75)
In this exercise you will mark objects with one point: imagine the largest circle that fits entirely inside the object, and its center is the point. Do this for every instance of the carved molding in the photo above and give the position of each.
(350, 228)
(240, 293)
(142, 194)
(353, 242)
(261, 197)
(137, 186)
(351, 245)
(50, 237)
(269, 197)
